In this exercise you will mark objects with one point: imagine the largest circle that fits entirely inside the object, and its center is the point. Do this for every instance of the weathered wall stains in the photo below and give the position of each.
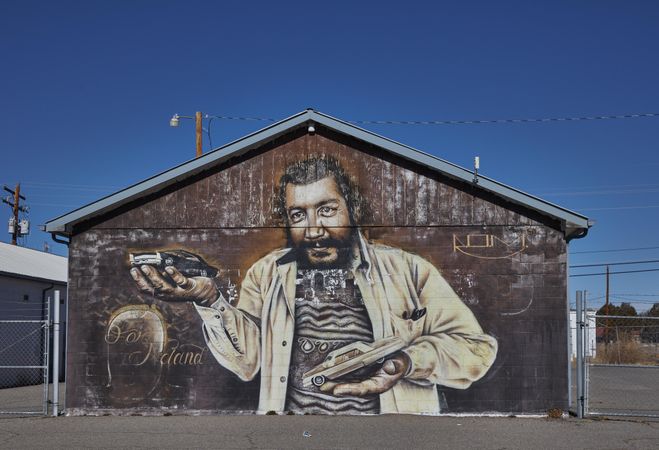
(130, 348)
(240, 195)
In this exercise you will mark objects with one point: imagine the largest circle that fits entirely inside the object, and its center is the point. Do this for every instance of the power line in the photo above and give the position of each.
(626, 294)
(486, 121)
(600, 192)
(651, 261)
(55, 205)
(641, 300)
(462, 122)
(619, 208)
(637, 295)
(633, 300)
(67, 185)
(597, 301)
(615, 250)
(613, 273)
(252, 119)
(601, 186)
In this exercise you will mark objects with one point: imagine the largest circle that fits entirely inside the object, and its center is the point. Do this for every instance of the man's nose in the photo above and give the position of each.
(314, 229)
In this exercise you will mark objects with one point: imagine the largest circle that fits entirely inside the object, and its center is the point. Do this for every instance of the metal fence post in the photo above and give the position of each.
(45, 355)
(580, 360)
(570, 346)
(587, 355)
(569, 358)
(56, 354)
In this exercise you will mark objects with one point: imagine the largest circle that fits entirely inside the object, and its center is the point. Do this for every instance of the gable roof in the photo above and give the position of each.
(574, 224)
(24, 262)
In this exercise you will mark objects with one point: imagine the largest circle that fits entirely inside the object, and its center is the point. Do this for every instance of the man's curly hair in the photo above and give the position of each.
(316, 168)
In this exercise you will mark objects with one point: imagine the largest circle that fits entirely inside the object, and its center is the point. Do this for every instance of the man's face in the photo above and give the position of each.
(319, 222)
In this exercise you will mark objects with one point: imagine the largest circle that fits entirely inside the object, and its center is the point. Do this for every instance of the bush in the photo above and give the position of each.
(555, 413)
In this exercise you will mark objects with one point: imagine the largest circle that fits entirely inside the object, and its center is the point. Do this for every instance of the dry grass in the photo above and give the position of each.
(626, 350)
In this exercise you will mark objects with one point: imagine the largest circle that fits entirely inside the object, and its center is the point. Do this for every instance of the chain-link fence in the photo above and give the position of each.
(24, 366)
(614, 360)
(622, 371)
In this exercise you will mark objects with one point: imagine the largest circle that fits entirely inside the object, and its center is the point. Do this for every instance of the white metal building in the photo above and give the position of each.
(590, 342)
(27, 279)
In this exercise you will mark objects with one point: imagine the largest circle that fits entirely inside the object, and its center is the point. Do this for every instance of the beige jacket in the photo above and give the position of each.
(446, 346)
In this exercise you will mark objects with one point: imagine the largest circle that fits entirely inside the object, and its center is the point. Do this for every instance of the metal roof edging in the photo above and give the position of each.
(453, 170)
(63, 223)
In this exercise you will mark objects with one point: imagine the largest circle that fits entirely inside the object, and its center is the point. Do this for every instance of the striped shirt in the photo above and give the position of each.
(329, 314)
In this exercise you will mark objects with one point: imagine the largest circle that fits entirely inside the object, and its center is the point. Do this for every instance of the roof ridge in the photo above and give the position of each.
(574, 223)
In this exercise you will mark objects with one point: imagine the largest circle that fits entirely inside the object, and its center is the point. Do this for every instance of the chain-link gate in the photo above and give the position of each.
(617, 364)
(24, 346)
(623, 375)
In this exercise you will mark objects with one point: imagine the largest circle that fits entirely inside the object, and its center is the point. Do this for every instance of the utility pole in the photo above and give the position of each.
(16, 207)
(606, 307)
(198, 117)
(198, 129)
(17, 199)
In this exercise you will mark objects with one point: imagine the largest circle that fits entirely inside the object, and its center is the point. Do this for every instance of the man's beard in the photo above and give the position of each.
(343, 247)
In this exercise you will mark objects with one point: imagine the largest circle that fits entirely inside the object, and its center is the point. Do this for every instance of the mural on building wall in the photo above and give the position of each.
(334, 324)
(317, 277)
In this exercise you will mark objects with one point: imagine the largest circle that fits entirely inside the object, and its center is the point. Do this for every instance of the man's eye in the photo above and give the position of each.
(297, 216)
(326, 211)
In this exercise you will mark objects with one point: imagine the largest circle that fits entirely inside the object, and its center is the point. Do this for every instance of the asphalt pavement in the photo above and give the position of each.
(623, 390)
(617, 388)
(292, 432)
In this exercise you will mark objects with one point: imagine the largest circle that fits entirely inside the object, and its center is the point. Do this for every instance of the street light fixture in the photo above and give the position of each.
(174, 122)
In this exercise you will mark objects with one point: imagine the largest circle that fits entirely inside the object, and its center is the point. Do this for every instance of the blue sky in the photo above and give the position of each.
(87, 89)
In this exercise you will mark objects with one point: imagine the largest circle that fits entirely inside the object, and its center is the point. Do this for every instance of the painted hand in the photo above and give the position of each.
(384, 379)
(179, 288)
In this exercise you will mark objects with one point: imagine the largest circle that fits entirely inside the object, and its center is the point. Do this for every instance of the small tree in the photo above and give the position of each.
(625, 309)
(650, 330)
(654, 311)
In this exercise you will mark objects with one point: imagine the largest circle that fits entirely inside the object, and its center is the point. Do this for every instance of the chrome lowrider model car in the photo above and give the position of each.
(189, 264)
(351, 357)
